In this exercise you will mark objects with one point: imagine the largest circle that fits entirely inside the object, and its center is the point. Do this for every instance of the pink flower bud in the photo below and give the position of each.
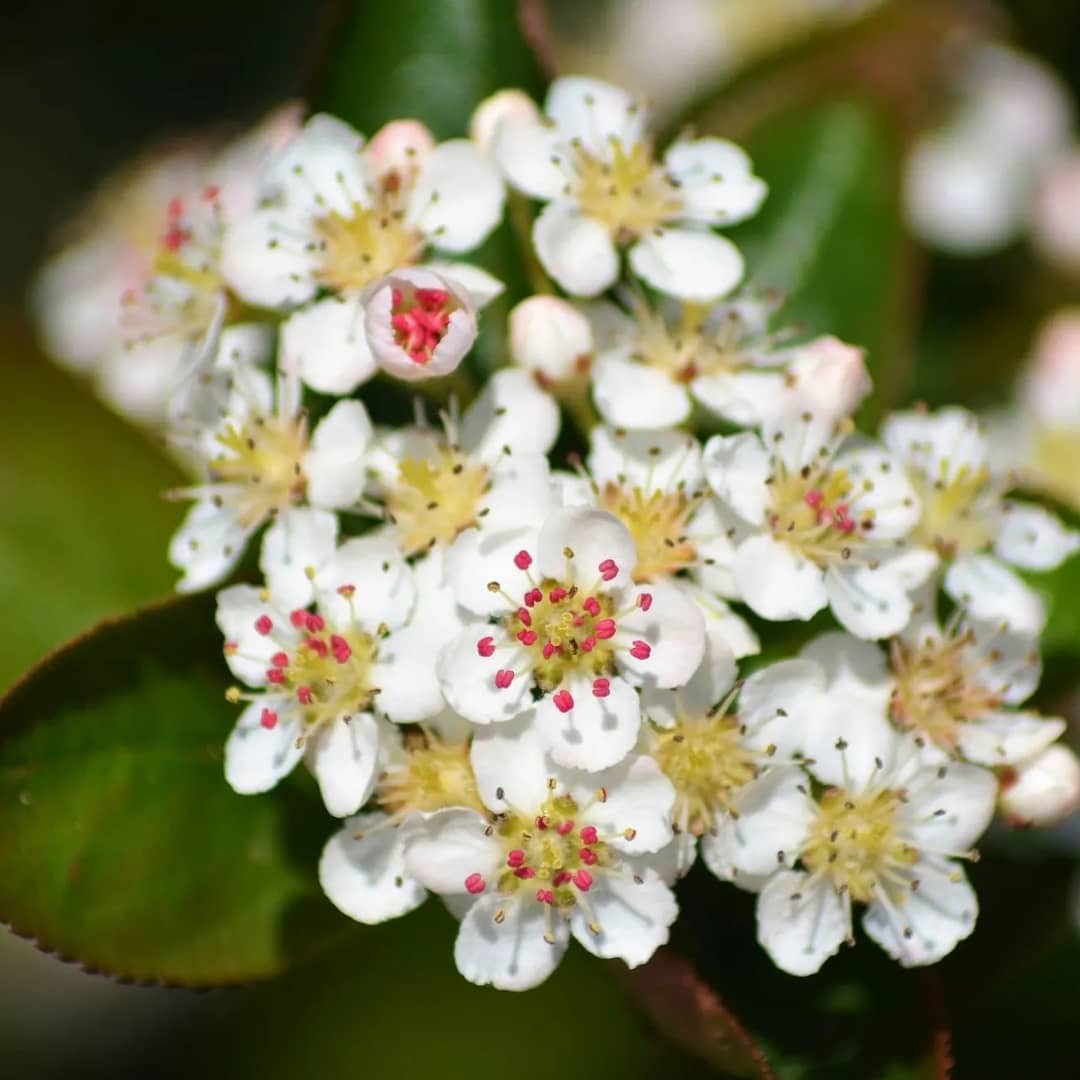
(1042, 790)
(550, 338)
(493, 110)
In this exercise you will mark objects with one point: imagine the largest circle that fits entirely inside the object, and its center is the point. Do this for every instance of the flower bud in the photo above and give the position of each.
(419, 325)
(492, 110)
(1051, 386)
(398, 148)
(1055, 222)
(830, 376)
(1042, 790)
(550, 338)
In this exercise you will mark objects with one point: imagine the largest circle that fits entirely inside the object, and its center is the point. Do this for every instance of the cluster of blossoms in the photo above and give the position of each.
(516, 684)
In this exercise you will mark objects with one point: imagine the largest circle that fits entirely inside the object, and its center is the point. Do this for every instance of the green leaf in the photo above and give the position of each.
(435, 63)
(75, 481)
(829, 235)
(123, 845)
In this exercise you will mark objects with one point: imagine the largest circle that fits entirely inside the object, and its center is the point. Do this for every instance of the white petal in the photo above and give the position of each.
(638, 798)
(513, 105)
(737, 468)
(257, 757)
(476, 283)
(385, 591)
(335, 462)
(550, 337)
(775, 816)
(708, 686)
(597, 732)
(479, 556)
(881, 489)
(593, 538)
(458, 198)
(994, 593)
(207, 545)
(362, 871)
(327, 347)
(577, 251)
(300, 540)
(742, 397)
(634, 917)
(868, 602)
(948, 814)
(633, 395)
(853, 668)
(344, 756)
(1033, 538)
(941, 444)
(594, 111)
(511, 411)
(406, 677)
(1007, 663)
(398, 149)
(1003, 738)
(510, 758)
(519, 497)
(847, 738)
(512, 953)
(266, 260)
(445, 848)
(716, 184)
(674, 630)
(467, 679)
(139, 379)
(776, 581)
(800, 925)
(653, 461)
(239, 607)
(526, 151)
(688, 263)
(938, 915)
(779, 703)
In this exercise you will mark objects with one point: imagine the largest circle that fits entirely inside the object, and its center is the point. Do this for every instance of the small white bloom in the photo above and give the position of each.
(714, 755)
(573, 638)
(362, 869)
(419, 325)
(654, 484)
(559, 853)
(651, 364)
(885, 837)
(824, 520)
(338, 216)
(966, 519)
(321, 676)
(261, 464)
(591, 160)
(1043, 790)
(484, 479)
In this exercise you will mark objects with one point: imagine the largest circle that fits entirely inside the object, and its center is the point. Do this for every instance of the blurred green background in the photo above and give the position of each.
(82, 533)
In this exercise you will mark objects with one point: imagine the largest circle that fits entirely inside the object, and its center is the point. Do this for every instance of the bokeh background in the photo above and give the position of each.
(86, 86)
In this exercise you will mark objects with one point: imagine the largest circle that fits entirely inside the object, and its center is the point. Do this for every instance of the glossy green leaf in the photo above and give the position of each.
(123, 845)
(829, 235)
(83, 530)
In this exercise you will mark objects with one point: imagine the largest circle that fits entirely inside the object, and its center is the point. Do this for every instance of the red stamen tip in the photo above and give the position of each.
(264, 624)
(609, 569)
(503, 678)
(269, 719)
(486, 646)
(601, 687)
(644, 601)
(475, 884)
(563, 700)
(641, 650)
(523, 560)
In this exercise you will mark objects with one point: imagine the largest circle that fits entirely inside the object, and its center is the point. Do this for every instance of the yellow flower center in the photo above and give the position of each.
(687, 349)
(937, 689)
(626, 190)
(854, 841)
(435, 775)
(954, 512)
(658, 524)
(435, 499)
(365, 245)
(705, 760)
(811, 510)
(262, 466)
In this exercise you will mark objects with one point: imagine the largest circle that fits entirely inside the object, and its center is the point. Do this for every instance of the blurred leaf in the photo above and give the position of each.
(434, 63)
(74, 481)
(830, 236)
(123, 845)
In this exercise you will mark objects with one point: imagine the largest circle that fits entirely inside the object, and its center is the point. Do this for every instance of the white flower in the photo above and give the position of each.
(261, 464)
(652, 364)
(714, 754)
(559, 853)
(884, 837)
(1043, 790)
(1055, 223)
(963, 514)
(592, 163)
(419, 325)
(484, 479)
(653, 483)
(824, 521)
(572, 639)
(362, 869)
(339, 216)
(322, 676)
(552, 339)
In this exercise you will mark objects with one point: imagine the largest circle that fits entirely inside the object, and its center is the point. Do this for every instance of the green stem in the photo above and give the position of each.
(520, 213)
(579, 405)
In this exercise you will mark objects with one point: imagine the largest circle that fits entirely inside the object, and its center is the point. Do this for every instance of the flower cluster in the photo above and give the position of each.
(516, 682)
